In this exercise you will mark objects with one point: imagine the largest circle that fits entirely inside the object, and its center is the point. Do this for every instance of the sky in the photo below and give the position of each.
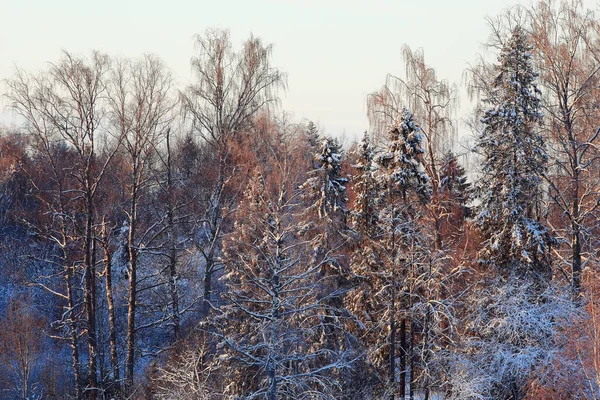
(334, 52)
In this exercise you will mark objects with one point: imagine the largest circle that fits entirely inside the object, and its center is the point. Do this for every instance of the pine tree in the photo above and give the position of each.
(274, 299)
(401, 162)
(514, 161)
(455, 194)
(326, 185)
(364, 214)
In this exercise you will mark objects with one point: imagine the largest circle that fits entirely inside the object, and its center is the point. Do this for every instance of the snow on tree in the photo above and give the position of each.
(313, 140)
(455, 194)
(364, 213)
(516, 312)
(388, 264)
(274, 299)
(513, 337)
(326, 185)
(453, 180)
(514, 161)
(401, 163)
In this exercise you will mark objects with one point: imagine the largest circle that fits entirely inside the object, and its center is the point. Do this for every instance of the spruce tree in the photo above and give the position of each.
(364, 213)
(326, 185)
(514, 161)
(390, 253)
(401, 163)
(453, 180)
(455, 194)
(515, 316)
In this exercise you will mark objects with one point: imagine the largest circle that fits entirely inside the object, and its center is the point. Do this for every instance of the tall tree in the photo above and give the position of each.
(325, 184)
(231, 88)
(141, 110)
(566, 51)
(66, 103)
(514, 163)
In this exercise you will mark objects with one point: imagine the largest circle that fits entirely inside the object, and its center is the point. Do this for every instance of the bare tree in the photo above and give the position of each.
(275, 300)
(433, 103)
(141, 109)
(21, 350)
(66, 103)
(566, 39)
(231, 88)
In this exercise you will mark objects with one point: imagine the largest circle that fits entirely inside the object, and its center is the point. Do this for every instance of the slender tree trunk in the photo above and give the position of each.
(90, 298)
(172, 245)
(114, 359)
(73, 332)
(214, 218)
(392, 370)
(403, 354)
(129, 362)
(576, 242)
(411, 388)
(173, 288)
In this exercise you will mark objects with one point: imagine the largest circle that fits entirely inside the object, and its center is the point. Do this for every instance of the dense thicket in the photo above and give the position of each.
(200, 245)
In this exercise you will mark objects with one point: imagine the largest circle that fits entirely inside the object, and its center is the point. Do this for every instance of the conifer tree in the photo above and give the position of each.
(326, 185)
(514, 161)
(516, 315)
(386, 261)
(455, 194)
(364, 213)
(275, 300)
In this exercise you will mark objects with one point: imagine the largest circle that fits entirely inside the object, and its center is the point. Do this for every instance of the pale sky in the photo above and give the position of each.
(334, 52)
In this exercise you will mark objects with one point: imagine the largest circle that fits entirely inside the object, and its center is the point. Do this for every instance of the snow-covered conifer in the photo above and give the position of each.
(514, 160)
(326, 185)
(275, 298)
(401, 163)
(366, 190)
(453, 180)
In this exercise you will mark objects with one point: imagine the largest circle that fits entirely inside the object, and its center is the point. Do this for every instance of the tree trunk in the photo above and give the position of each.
(73, 332)
(403, 353)
(172, 244)
(214, 218)
(411, 388)
(129, 362)
(114, 359)
(90, 299)
(576, 243)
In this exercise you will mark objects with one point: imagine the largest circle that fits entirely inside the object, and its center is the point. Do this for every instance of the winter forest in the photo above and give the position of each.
(196, 242)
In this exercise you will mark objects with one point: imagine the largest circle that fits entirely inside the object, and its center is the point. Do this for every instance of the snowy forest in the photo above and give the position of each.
(197, 242)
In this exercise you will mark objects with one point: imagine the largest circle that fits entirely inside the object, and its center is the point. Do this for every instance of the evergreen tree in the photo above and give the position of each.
(455, 194)
(366, 190)
(326, 185)
(388, 261)
(453, 180)
(401, 163)
(515, 317)
(274, 300)
(514, 160)
(313, 141)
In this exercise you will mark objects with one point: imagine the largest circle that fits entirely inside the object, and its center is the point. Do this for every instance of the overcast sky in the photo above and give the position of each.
(335, 52)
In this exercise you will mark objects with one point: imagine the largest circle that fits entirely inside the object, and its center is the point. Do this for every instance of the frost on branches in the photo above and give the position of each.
(514, 161)
(275, 302)
(364, 214)
(390, 260)
(514, 339)
(326, 184)
(401, 162)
